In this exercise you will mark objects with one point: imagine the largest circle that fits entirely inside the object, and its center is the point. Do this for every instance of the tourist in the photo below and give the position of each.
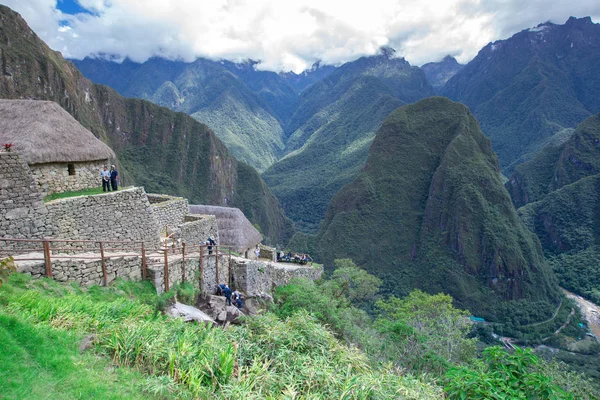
(105, 176)
(257, 252)
(237, 299)
(220, 289)
(210, 242)
(227, 294)
(113, 178)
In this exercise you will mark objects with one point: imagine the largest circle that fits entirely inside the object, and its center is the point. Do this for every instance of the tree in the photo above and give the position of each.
(352, 282)
(432, 321)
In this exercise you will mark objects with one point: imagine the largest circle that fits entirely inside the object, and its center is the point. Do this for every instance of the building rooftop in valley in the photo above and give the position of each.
(43, 132)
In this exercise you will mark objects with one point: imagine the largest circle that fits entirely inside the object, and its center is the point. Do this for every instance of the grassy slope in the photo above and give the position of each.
(531, 86)
(162, 150)
(331, 131)
(265, 358)
(429, 210)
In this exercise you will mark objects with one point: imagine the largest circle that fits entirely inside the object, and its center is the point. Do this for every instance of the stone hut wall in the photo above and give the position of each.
(23, 213)
(270, 253)
(122, 215)
(55, 177)
(255, 278)
(197, 228)
(169, 210)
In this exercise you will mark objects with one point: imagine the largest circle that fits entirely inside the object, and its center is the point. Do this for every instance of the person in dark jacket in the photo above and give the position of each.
(237, 299)
(227, 294)
(114, 178)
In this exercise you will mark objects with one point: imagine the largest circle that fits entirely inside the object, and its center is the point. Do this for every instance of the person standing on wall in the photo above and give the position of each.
(113, 178)
(105, 176)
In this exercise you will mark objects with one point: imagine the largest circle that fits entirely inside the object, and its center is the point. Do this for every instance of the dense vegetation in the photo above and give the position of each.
(314, 343)
(526, 89)
(164, 151)
(559, 194)
(329, 134)
(429, 211)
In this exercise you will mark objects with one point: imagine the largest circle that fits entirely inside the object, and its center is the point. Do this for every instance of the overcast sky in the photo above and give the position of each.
(284, 34)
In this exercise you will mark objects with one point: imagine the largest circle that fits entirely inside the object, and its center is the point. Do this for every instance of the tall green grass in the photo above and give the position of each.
(267, 358)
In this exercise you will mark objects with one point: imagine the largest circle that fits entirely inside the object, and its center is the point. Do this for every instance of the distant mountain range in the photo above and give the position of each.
(438, 73)
(526, 89)
(164, 151)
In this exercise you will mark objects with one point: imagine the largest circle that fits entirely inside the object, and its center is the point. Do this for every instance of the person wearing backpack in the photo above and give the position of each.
(227, 294)
(237, 299)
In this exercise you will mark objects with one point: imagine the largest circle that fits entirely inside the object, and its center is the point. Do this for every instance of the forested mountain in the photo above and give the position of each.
(560, 191)
(526, 89)
(243, 106)
(438, 73)
(429, 210)
(164, 151)
(329, 134)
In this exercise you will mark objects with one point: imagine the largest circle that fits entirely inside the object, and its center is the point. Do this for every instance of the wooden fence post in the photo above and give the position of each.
(217, 263)
(183, 262)
(144, 266)
(166, 269)
(47, 259)
(201, 268)
(104, 277)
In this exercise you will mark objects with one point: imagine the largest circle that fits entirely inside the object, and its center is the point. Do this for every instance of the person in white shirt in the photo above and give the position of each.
(105, 176)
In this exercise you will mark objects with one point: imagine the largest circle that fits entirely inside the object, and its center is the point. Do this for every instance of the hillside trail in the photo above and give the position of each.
(590, 311)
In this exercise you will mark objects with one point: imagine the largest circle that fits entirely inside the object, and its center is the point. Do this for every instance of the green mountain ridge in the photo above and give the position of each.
(242, 106)
(329, 134)
(559, 191)
(429, 210)
(527, 88)
(157, 148)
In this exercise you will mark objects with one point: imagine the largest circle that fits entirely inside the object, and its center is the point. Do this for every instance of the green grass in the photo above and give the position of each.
(267, 358)
(77, 193)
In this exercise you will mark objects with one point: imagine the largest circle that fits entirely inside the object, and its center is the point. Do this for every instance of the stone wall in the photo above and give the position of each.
(197, 228)
(87, 272)
(55, 178)
(208, 283)
(23, 213)
(170, 211)
(269, 253)
(122, 215)
(256, 277)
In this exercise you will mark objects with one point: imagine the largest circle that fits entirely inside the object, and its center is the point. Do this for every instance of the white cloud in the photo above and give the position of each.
(289, 35)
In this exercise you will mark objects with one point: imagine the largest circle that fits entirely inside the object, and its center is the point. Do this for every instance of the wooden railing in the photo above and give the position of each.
(26, 249)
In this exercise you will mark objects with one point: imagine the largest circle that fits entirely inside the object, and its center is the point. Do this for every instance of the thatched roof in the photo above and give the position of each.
(234, 228)
(42, 132)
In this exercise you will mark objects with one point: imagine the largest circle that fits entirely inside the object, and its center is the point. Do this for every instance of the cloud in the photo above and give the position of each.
(288, 35)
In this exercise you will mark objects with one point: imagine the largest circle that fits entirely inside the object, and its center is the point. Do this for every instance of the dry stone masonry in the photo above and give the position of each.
(23, 213)
(197, 228)
(169, 211)
(122, 215)
(255, 278)
(64, 177)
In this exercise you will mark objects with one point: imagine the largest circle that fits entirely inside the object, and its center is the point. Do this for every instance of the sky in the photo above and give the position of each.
(286, 35)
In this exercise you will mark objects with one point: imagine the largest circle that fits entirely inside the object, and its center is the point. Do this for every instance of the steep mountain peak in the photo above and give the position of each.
(387, 51)
(438, 73)
(429, 210)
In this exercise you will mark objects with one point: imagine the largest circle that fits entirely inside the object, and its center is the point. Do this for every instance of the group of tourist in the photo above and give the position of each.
(109, 179)
(296, 258)
(224, 290)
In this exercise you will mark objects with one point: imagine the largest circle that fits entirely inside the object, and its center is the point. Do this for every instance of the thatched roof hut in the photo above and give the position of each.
(234, 228)
(42, 132)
